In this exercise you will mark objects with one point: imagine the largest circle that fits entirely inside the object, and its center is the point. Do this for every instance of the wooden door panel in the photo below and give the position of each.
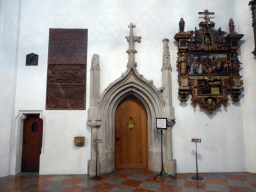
(132, 147)
(32, 143)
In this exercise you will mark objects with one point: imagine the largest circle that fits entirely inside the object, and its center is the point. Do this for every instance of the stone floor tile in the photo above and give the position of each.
(42, 184)
(144, 172)
(195, 184)
(7, 177)
(239, 189)
(250, 174)
(28, 189)
(104, 177)
(217, 175)
(215, 180)
(4, 183)
(114, 180)
(73, 180)
(173, 188)
(199, 174)
(29, 181)
(42, 177)
(93, 190)
(122, 174)
(13, 187)
(131, 183)
(18, 178)
(58, 178)
(182, 176)
(84, 176)
(236, 173)
(253, 185)
(252, 179)
(238, 183)
(176, 182)
(75, 189)
(122, 188)
(143, 190)
(88, 183)
(150, 185)
(186, 189)
(190, 179)
(104, 186)
(133, 171)
(138, 177)
(216, 187)
(237, 177)
(157, 180)
(57, 187)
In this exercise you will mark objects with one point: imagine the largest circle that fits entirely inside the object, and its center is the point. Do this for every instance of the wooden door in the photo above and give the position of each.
(131, 144)
(32, 143)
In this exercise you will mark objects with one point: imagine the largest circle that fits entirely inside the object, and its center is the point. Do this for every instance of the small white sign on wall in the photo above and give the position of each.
(161, 123)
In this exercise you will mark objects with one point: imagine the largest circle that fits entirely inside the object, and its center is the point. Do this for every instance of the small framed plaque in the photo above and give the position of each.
(32, 59)
(161, 123)
(96, 141)
(196, 140)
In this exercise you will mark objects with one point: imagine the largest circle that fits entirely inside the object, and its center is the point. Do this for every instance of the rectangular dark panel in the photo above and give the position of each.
(67, 46)
(66, 77)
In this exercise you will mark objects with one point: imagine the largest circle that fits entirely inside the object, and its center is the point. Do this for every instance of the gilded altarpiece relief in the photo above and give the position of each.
(66, 77)
(208, 65)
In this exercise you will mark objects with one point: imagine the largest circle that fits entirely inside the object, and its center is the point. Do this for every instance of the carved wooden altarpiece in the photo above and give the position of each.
(66, 77)
(208, 65)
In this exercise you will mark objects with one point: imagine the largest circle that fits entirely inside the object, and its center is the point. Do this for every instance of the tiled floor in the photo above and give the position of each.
(130, 180)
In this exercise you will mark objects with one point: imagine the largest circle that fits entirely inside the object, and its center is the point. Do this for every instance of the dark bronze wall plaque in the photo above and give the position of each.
(66, 77)
(31, 59)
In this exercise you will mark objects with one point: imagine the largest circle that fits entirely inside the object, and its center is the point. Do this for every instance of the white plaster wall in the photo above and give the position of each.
(9, 29)
(222, 134)
(222, 147)
(244, 15)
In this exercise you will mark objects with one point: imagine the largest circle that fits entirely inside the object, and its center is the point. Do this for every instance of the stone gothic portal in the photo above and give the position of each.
(109, 115)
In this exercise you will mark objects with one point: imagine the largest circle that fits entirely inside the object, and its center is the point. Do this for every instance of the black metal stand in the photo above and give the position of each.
(96, 177)
(162, 171)
(196, 177)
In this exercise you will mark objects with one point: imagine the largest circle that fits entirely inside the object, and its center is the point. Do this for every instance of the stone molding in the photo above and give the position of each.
(17, 138)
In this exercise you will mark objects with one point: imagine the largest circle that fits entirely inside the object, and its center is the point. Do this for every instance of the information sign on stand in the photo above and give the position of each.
(196, 177)
(161, 123)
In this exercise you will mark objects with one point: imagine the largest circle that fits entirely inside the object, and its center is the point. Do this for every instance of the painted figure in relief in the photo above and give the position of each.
(182, 25)
(183, 63)
(207, 39)
(231, 26)
(235, 63)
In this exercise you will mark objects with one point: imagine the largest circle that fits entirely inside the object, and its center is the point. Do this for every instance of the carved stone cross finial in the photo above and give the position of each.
(131, 51)
(132, 26)
(206, 13)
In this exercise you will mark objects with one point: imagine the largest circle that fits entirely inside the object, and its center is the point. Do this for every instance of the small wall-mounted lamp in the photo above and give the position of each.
(131, 123)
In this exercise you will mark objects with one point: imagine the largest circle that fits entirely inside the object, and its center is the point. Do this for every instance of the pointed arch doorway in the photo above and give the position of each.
(131, 135)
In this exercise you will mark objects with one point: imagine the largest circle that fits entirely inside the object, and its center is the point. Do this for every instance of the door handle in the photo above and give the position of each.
(118, 138)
